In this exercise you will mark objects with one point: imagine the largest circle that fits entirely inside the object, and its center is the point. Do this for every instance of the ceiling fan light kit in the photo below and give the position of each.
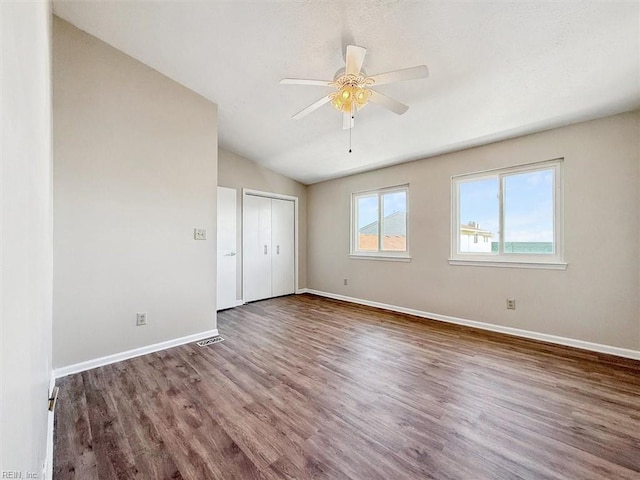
(353, 90)
(352, 93)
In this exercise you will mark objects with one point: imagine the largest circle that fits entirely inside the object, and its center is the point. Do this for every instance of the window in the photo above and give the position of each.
(379, 224)
(517, 212)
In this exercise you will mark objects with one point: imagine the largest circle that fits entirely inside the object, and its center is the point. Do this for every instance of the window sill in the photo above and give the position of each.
(510, 264)
(384, 258)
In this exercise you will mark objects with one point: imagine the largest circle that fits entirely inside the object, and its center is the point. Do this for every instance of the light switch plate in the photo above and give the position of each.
(200, 233)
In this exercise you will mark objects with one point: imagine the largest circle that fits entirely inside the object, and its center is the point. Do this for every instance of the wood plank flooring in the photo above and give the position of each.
(306, 387)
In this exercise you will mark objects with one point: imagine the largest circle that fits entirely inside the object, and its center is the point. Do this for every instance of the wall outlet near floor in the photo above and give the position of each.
(199, 233)
(346, 282)
(511, 304)
(141, 318)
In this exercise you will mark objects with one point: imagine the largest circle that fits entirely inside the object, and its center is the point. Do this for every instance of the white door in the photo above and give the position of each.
(283, 242)
(227, 248)
(257, 247)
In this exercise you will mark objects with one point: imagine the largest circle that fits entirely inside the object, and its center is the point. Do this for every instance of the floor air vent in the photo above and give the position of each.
(210, 341)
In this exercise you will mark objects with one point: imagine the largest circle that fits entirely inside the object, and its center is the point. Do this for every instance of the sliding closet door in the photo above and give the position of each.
(282, 241)
(257, 247)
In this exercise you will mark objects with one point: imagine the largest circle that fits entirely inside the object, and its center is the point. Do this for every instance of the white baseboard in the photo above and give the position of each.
(47, 471)
(302, 290)
(570, 342)
(136, 352)
(237, 303)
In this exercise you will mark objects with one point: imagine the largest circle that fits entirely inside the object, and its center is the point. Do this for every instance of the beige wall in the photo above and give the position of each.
(237, 172)
(25, 229)
(135, 170)
(595, 299)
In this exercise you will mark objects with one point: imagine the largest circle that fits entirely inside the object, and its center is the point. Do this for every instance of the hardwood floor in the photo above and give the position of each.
(307, 387)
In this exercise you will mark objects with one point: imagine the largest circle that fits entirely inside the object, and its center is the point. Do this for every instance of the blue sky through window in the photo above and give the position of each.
(479, 203)
(528, 214)
(394, 202)
(368, 206)
(528, 205)
(367, 210)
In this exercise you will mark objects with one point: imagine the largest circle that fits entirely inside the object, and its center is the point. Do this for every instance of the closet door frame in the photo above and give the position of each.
(259, 193)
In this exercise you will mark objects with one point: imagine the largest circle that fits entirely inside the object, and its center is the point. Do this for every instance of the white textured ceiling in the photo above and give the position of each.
(497, 70)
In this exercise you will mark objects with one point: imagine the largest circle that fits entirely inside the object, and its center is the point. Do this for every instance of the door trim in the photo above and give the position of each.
(279, 196)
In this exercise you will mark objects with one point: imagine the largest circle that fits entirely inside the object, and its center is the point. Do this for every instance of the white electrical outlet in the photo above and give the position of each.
(200, 233)
(511, 304)
(141, 318)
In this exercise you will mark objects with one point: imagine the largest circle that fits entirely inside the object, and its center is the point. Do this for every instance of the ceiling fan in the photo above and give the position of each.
(353, 88)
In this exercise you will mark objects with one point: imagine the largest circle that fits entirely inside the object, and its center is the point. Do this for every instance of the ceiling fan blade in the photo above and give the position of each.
(314, 106)
(354, 59)
(347, 121)
(304, 81)
(388, 103)
(421, 71)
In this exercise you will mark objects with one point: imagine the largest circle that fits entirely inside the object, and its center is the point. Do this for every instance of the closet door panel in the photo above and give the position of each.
(283, 243)
(257, 248)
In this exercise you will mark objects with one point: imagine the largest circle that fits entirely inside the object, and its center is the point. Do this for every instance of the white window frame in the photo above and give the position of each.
(380, 254)
(504, 259)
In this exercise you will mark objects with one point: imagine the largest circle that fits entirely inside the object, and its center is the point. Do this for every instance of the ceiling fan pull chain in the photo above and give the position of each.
(351, 127)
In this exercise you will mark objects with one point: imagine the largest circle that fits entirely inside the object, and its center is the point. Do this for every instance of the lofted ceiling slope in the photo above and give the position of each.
(497, 70)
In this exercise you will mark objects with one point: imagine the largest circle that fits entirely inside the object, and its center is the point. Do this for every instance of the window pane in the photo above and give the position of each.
(367, 214)
(394, 221)
(479, 216)
(528, 212)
